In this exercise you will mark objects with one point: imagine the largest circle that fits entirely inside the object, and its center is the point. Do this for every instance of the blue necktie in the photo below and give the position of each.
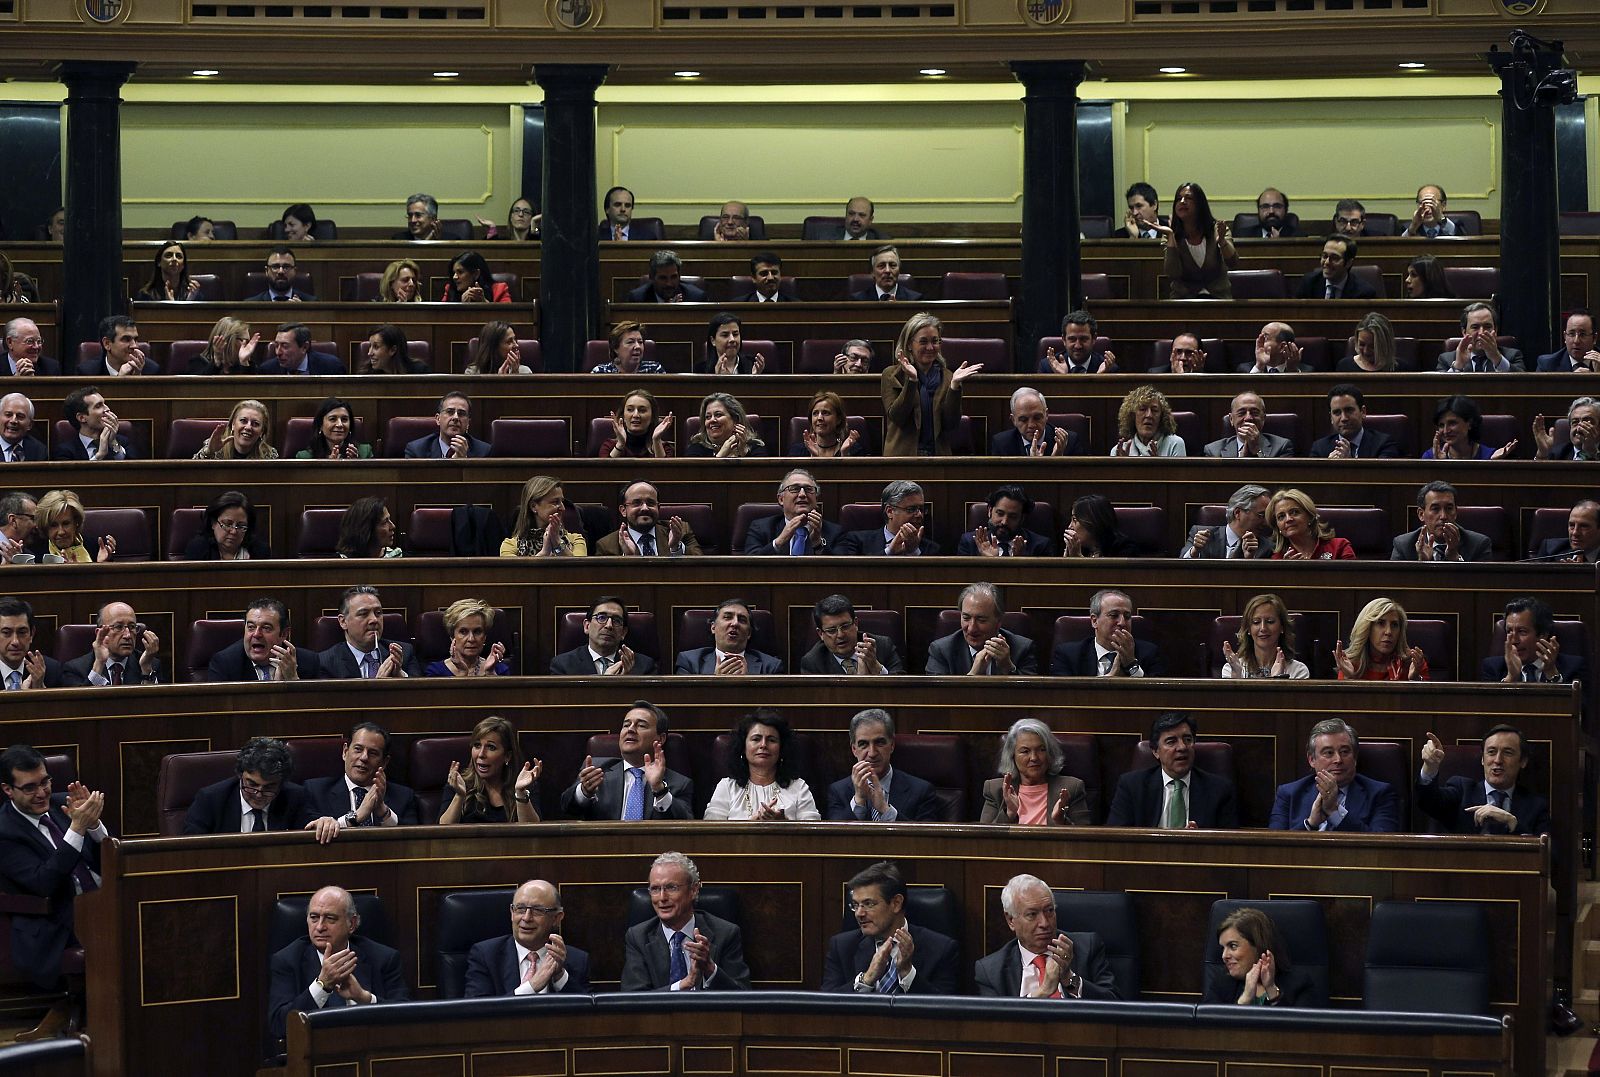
(680, 963)
(797, 544)
(633, 810)
(890, 978)
(647, 544)
(369, 664)
(14, 681)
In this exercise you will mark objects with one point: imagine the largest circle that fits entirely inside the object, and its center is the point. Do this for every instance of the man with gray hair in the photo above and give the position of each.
(1111, 650)
(1244, 535)
(682, 948)
(874, 791)
(1583, 433)
(854, 358)
(422, 218)
(331, 965)
(22, 357)
(904, 530)
(798, 528)
(980, 647)
(362, 652)
(1042, 961)
(666, 284)
(1333, 796)
(1032, 433)
(16, 422)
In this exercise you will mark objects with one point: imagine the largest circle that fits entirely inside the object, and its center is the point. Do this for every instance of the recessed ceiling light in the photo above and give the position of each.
(932, 71)
(686, 74)
(1413, 66)
(207, 72)
(446, 74)
(1174, 70)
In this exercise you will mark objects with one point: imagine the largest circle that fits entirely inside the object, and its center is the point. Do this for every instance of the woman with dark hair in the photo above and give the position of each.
(724, 430)
(724, 336)
(1425, 279)
(200, 230)
(1265, 644)
(471, 282)
(522, 224)
(389, 352)
(765, 783)
(15, 285)
(333, 434)
(921, 391)
(298, 221)
(228, 532)
(495, 351)
(637, 432)
(367, 530)
(1255, 965)
(1379, 648)
(169, 277)
(1299, 533)
(1031, 790)
(1457, 430)
(496, 778)
(828, 433)
(626, 340)
(1093, 532)
(1199, 248)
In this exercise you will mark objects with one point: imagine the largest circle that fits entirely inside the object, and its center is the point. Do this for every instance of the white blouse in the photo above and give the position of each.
(1296, 671)
(733, 801)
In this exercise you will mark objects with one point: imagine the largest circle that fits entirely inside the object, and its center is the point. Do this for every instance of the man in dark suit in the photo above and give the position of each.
(1494, 805)
(619, 225)
(1032, 433)
(265, 653)
(1577, 351)
(533, 959)
(885, 284)
(682, 945)
(980, 647)
(666, 284)
(1351, 440)
(1583, 433)
(332, 966)
(292, 354)
(1041, 961)
(1185, 357)
(1533, 653)
(22, 356)
(1276, 353)
(798, 528)
(453, 441)
(123, 652)
(1272, 217)
(904, 530)
(842, 649)
(1245, 415)
(874, 791)
(1582, 543)
(363, 795)
(886, 954)
(732, 654)
(643, 533)
(260, 796)
(1174, 793)
(362, 653)
(1439, 537)
(1144, 212)
(637, 786)
(1004, 535)
(17, 445)
(121, 352)
(858, 215)
(766, 275)
(1078, 333)
(49, 848)
(1333, 796)
(280, 269)
(1245, 534)
(1479, 350)
(1334, 279)
(95, 430)
(22, 667)
(1111, 651)
(605, 628)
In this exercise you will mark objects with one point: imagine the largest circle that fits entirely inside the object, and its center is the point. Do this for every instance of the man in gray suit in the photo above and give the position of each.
(1440, 538)
(682, 948)
(980, 646)
(1246, 415)
(1244, 535)
(1042, 962)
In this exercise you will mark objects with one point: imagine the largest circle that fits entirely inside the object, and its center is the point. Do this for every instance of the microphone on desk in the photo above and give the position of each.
(1563, 555)
(52, 559)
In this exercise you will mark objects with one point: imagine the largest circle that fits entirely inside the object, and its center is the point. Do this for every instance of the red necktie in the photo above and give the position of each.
(116, 673)
(1038, 967)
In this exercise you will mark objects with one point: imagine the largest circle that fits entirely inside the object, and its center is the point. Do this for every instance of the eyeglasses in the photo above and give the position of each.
(799, 488)
(608, 618)
(838, 629)
(668, 889)
(30, 342)
(257, 790)
(910, 510)
(537, 910)
(126, 626)
(521, 211)
(869, 904)
(233, 525)
(33, 787)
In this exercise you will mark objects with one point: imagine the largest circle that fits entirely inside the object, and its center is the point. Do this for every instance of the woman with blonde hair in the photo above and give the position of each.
(1299, 533)
(401, 282)
(1145, 426)
(1264, 646)
(59, 516)
(497, 786)
(1379, 649)
(725, 430)
(467, 622)
(539, 531)
(637, 432)
(230, 349)
(1371, 347)
(921, 393)
(247, 435)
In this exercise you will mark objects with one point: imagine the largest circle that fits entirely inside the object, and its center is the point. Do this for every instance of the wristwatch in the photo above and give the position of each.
(351, 819)
(1135, 669)
(522, 798)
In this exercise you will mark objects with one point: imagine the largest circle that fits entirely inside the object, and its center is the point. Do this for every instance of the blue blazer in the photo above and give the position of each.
(936, 957)
(316, 363)
(492, 969)
(1370, 806)
(913, 800)
(704, 660)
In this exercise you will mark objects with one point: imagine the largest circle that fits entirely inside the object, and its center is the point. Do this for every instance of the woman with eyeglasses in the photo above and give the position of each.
(228, 532)
(522, 224)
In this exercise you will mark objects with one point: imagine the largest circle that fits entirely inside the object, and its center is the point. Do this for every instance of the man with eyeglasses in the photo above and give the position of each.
(842, 649)
(280, 269)
(1272, 217)
(22, 358)
(1349, 218)
(331, 965)
(123, 652)
(1577, 355)
(422, 218)
(885, 954)
(22, 667)
(1185, 357)
(904, 530)
(733, 223)
(49, 848)
(874, 791)
(18, 511)
(798, 528)
(258, 798)
(533, 959)
(605, 651)
(643, 533)
(17, 443)
(454, 441)
(637, 784)
(683, 948)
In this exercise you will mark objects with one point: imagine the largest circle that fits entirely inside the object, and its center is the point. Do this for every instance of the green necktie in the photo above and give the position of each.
(1177, 807)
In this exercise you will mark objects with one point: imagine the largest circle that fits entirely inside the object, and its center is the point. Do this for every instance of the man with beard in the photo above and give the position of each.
(642, 533)
(1272, 216)
(1004, 535)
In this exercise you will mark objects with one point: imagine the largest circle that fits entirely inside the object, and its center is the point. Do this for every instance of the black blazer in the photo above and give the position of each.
(1010, 443)
(753, 297)
(231, 664)
(1374, 444)
(1312, 286)
(606, 805)
(1572, 667)
(999, 975)
(646, 293)
(1451, 802)
(820, 660)
(1037, 545)
(704, 660)
(338, 663)
(326, 796)
(1140, 793)
(316, 363)
(576, 663)
(204, 548)
(1295, 988)
(378, 970)
(759, 535)
(647, 960)
(30, 865)
(1216, 548)
(869, 294)
(936, 957)
(1551, 547)
(869, 543)
(95, 366)
(427, 448)
(304, 297)
(33, 450)
(948, 655)
(492, 969)
(1078, 659)
(72, 449)
(217, 810)
(75, 674)
(913, 800)
(43, 367)
(746, 365)
(1474, 546)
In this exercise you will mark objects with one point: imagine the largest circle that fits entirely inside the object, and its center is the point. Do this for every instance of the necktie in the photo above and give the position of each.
(116, 673)
(258, 821)
(890, 980)
(1177, 807)
(357, 794)
(263, 673)
(602, 664)
(11, 455)
(14, 681)
(1528, 673)
(531, 962)
(647, 544)
(94, 449)
(369, 664)
(1498, 798)
(633, 809)
(680, 964)
(1106, 661)
(797, 544)
(849, 664)
(82, 877)
(1038, 968)
(616, 231)
(886, 297)
(1333, 291)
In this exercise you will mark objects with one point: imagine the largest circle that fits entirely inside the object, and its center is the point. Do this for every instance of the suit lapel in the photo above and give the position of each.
(17, 823)
(863, 955)
(655, 950)
(508, 966)
(1011, 969)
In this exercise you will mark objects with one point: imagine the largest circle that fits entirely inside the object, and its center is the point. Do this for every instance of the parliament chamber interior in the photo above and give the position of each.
(596, 330)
